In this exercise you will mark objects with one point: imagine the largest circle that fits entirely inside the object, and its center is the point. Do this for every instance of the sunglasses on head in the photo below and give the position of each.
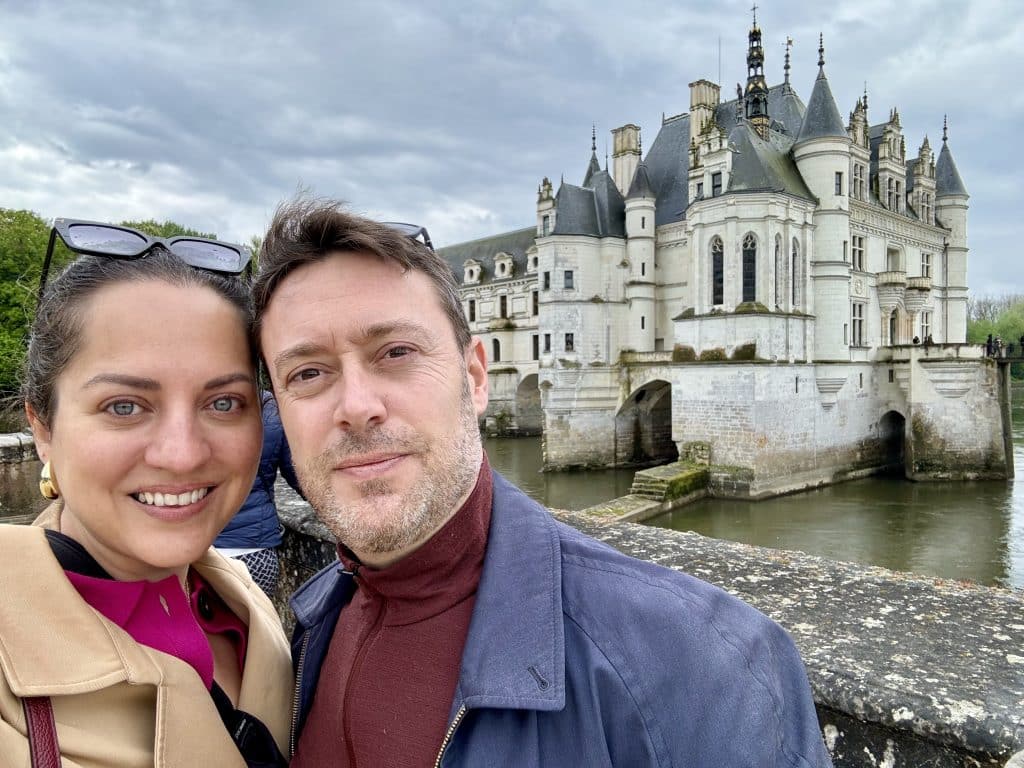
(95, 238)
(413, 231)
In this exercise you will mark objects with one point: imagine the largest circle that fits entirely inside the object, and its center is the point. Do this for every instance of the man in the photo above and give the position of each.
(464, 626)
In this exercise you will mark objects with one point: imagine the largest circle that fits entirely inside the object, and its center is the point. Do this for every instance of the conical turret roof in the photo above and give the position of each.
(641, 186)
(822, 117)
(947, 177)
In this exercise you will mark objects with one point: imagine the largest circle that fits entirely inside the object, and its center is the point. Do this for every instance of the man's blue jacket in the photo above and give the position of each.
(580, 656)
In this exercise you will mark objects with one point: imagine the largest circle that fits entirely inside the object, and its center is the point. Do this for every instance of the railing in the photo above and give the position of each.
(892, 278)
(920, 283)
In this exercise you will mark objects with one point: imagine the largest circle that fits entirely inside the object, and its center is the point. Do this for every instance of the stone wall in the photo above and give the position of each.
(905, 671)
(16, 447)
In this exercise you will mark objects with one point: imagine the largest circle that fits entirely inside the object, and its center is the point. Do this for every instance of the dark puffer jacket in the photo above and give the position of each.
(256, 523)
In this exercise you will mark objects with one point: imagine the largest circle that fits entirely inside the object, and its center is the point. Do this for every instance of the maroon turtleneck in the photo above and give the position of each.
(387, 683)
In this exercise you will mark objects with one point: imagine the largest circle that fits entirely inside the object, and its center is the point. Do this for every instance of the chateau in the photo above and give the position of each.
(766, 285)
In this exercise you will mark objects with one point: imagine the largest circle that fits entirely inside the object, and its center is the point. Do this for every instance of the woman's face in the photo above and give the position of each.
(156, 433)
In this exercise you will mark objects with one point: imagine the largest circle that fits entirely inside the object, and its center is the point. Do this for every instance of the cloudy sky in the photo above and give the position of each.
(210, 112)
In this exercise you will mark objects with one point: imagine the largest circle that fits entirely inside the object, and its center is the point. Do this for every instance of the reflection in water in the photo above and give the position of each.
(519, 460)
(972, 531)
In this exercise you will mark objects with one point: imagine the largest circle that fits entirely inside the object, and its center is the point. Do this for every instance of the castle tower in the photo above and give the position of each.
(859, 131)
(755, 98)
(545, 208)
(640, 290)
(625, 155)
(922, 197)
(951, 212)
(892, 165)
(704, 98)
(822, 154)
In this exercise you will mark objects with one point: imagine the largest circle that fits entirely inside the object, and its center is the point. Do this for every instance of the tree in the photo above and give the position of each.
(1007, 323)
(166, 229)
(23, 240)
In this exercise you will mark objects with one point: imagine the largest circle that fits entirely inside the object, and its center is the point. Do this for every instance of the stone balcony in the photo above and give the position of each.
(920, 283)
(892, 278)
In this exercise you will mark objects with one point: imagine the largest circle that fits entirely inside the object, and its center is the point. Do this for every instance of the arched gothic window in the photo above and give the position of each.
(496, 351)
(717, 271)
(798, 275)
(780, 273)
(749, 267)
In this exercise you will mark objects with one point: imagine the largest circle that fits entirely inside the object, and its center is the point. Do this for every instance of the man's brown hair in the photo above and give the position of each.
(307, 230)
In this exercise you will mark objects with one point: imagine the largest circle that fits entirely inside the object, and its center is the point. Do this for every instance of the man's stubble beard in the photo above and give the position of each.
(380, 521)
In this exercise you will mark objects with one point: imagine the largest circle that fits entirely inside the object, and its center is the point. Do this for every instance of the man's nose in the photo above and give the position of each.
(360, 400)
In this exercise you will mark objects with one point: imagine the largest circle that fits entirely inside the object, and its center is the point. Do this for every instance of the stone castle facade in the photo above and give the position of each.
(767, 280)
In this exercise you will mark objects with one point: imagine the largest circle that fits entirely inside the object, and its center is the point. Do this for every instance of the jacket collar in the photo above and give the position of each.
(73, 651)
(514, 656)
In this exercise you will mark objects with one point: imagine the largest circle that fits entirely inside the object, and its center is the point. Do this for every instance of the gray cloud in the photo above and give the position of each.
(449, 114)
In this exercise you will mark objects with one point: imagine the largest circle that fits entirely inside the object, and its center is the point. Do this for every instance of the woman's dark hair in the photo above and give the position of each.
(56, 334)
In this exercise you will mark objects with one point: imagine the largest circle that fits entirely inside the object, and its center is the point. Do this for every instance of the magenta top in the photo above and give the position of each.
(159, 615)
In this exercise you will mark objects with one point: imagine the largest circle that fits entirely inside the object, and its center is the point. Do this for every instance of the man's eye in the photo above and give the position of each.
(123, 408)
(398, 352)
(306, 374)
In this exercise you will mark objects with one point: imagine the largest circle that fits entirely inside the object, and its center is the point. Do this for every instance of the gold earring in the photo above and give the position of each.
(48, 483)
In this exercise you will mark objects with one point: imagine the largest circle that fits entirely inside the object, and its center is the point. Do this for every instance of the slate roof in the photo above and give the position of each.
(597, 210)
(515, 243)
(593, 168)
(668, 160)
(947, 177)
(822, 118)
(764, 166)
(641, 186)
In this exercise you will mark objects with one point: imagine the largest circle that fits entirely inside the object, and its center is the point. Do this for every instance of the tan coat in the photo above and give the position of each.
(116, 702)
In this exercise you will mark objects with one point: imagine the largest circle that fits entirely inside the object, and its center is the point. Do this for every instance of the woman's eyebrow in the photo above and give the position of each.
(124, 380)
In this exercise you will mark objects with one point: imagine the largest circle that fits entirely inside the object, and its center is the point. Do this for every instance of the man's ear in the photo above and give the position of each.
(476, 371)
(40, 433)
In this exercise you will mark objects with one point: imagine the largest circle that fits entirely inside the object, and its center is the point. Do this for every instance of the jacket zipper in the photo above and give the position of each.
(296, 695)
(448, 736)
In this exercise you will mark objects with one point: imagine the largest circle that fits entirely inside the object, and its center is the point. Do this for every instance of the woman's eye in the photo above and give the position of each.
(224, 404)
(123, 408)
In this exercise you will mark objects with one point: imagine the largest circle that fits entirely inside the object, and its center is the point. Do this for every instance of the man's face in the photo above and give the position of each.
(379, 404)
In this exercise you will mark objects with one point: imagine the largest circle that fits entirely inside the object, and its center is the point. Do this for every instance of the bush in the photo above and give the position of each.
(713, 355)
(745, 352)
(682, 353)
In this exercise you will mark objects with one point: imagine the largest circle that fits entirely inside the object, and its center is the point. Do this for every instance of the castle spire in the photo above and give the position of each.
(789, 44)
(756, 97)
(593, 137)
(945, 129)
(821, 55)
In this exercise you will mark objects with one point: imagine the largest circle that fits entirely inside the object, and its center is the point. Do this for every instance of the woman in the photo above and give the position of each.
(147, 646)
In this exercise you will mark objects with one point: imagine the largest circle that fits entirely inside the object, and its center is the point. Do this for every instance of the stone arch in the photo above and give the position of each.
(643, 426)
(892, 441)
(529, 416)
(749, 272)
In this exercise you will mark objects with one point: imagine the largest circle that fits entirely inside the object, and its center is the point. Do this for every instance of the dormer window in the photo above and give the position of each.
(471, 272)
(531, 260)
(503, 266)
